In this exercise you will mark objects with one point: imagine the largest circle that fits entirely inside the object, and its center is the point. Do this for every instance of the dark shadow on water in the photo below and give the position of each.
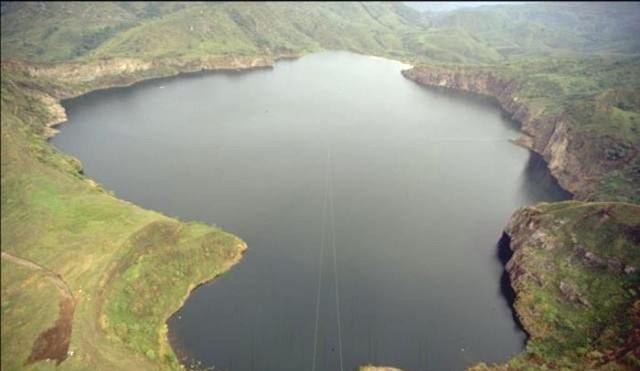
(537, 183)
(504, 254)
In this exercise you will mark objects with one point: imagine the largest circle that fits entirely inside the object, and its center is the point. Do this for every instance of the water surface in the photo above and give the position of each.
(411, 186)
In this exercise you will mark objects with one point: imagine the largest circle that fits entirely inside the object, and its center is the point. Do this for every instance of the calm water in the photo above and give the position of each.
(411, 186)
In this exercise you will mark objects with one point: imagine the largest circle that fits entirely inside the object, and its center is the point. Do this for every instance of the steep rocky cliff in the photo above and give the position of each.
(80, 72)
(80, 77)
(573, 265)
(53, 82)
(574, 268)
(574, 158)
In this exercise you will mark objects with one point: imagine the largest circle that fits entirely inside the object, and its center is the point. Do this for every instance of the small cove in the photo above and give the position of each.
(422, 182)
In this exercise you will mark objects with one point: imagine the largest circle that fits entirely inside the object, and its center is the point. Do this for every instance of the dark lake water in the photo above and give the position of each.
(336, 167)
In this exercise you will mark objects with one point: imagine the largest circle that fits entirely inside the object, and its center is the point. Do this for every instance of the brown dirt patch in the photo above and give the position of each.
(53, 343)
(631, 348)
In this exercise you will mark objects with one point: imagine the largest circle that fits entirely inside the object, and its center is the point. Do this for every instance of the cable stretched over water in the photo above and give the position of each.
(335, 262)
(328, 201)
(322, 243)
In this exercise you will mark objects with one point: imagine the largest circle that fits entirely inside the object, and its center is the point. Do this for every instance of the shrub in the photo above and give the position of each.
(617, 151)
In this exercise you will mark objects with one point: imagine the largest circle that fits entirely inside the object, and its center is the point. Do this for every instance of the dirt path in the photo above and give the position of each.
(53, 343)
(54, 277)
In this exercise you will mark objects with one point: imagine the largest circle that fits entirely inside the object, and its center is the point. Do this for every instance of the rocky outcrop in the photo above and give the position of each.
(523, 231)
(80, 71)
(97, 70)
(555, 266)
(377, 368)
(57, 114)
(558, 272)
(550, 136)
(571, 293)
(612, 265)
(51, 83)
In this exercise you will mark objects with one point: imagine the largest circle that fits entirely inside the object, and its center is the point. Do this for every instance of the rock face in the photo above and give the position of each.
(573, 269)
(377, 368)
(572, 266)
(551, 137)
(71, 79)
(57, 114)
(95, 70)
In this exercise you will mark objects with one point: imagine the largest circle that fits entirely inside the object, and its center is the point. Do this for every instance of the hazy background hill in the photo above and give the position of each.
(46, 32)
(447, 6)
(62, 31)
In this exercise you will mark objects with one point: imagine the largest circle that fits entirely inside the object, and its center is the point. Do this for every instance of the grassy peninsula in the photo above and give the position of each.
(570, 73)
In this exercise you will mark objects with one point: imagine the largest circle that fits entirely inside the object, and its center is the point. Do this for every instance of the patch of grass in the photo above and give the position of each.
(138, 281)
(27, 308)
(565, 331)
(57, 32)
(54, 216)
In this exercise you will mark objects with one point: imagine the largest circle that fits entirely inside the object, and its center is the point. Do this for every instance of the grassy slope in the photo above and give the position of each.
(59, 31)
(551, 243)
(600, 97)
(533, 30)
(575, 59)
(108, 248)
(65, 31)
(201, 29)
(129, 268)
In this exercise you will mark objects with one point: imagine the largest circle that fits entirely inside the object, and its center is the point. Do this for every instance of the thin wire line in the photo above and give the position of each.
(335, 262)
(322, 243)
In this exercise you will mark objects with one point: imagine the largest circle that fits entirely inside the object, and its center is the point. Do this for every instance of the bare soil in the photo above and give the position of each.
(53, 343)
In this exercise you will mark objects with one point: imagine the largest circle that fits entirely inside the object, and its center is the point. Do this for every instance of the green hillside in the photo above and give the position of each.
(128, 269)
(165, 29)
(551, 29)
(574, 269)
(64, 31)
(599, 97)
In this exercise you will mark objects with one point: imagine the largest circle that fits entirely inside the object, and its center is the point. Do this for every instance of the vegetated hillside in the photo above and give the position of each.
(582, 115)
(574, 267)
(550, 28)
(64, 31)
(128, 268)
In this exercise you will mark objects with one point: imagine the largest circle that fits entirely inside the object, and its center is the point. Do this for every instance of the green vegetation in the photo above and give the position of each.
(130, 268)
(575, 271)
(107, 250)
(155, 30)
(599, 97)
(49, 32)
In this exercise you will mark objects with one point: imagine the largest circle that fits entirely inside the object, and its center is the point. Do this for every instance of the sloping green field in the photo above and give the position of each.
(128, 268)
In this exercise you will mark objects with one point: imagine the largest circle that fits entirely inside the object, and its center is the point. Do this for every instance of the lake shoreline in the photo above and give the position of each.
(76, 88)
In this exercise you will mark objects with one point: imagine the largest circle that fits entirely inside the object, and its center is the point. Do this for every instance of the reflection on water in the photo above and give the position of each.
(504, 253)
(538, 184)
(422, 183)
